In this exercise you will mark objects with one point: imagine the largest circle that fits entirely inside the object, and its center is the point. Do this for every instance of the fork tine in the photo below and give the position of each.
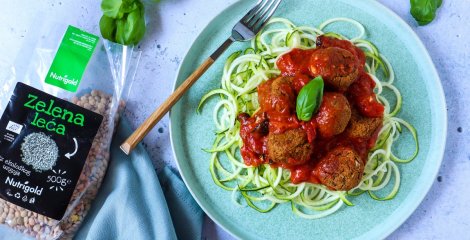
(261, 12)
(254, 11)
(254, 20)
(266, 16)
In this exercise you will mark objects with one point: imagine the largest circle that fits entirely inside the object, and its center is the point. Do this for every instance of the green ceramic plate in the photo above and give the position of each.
(423, 106)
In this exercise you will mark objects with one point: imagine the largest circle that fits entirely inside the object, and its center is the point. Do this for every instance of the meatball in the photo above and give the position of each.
(325, 42)
(341, 169)
(291, 147)
(277, 95)
(362, 127)
(333, 115)
(338, 67)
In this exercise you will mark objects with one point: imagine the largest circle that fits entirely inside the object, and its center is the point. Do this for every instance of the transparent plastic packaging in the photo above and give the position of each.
(103, 89)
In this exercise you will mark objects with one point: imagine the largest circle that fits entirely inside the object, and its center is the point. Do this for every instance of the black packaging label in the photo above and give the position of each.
(44, 143)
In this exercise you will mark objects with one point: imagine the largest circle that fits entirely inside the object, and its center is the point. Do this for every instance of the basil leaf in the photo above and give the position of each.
(108, 27)
(139, 31)
(127, 27)
(128, 6)
(132, 29)
(309, 99)
(424, 11)
(120, 31)
(111, 8)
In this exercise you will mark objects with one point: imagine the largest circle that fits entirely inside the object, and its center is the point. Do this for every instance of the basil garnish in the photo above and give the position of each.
(424, 11)
(309, 99)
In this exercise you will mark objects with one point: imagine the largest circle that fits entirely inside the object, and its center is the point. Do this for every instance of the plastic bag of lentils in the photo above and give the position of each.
(59, 107)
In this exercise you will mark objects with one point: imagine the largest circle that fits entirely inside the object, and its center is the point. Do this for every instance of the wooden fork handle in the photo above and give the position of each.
(132, 141)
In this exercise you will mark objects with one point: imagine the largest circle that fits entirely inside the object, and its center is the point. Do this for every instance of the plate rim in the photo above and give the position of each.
(393, 223)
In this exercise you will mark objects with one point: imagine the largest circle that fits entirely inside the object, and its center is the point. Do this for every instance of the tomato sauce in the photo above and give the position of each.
(295, 61)
(361, 92)
(277, 114)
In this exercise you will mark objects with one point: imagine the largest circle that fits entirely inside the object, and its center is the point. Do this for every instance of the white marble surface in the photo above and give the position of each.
(174, 24)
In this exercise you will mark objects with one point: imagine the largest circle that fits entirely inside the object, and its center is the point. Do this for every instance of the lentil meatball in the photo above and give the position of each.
(333, 115)
(341, 169)
(325, 42)
(338, 67)
(361, 126)
(291, 147)
(277, 95)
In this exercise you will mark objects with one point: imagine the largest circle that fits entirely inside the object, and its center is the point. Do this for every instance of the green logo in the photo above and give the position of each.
(71, 59)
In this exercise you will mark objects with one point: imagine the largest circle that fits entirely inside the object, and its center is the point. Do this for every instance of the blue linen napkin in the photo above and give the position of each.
(132, 204)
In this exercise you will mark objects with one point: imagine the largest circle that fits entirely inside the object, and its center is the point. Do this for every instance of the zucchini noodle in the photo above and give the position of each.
(263, 187)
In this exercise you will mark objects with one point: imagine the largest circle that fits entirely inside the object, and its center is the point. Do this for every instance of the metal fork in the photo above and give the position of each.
(246, 29)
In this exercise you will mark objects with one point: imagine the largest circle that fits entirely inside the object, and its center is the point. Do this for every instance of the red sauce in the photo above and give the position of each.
(300, 80)
(361, 92)
(277, 114)
(253, 131)
(295, 62)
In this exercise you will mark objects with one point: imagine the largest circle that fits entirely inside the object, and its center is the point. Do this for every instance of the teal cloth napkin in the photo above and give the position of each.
(132, 204)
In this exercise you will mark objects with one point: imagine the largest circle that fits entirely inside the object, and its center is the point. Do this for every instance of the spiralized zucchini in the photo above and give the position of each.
(263, 187)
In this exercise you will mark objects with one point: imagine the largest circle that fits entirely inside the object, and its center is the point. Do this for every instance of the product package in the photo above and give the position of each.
(59, 106)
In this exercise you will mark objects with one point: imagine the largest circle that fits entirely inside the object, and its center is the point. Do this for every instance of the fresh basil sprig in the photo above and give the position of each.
(123, 21)
(424, 11)
(309, 99)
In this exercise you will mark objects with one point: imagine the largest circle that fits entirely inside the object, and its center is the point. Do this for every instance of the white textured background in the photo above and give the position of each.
(174, 24)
